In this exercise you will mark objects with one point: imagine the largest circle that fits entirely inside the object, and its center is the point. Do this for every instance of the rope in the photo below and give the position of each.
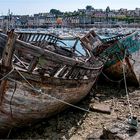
(110, 78)
(126, 90)
(20, 61)
(124, 75)
(64, 102)
(24, 78)
(40, 91)
(5, 76)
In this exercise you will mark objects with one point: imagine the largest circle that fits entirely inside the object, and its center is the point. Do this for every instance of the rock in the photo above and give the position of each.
(116, 109)
(100, 107)
(92, 94)
(95, 136)
(120, 131)
(76, 137)
(96, 98)
(120, 118)
(125, 103)
(92, 100)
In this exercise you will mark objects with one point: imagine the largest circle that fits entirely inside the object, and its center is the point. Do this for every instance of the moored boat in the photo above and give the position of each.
(40, 77)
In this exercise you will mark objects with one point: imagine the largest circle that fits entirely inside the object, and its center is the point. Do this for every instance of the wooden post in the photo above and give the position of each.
(7, 59)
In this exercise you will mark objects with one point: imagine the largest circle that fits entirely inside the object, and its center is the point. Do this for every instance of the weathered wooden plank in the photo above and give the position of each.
(9, 49)
(36, 51)
(68, 74)
(74, 73)
(24, 37)
(33, 37)
(82, 72)
(54, 70)
(63, 71)
(44, 37)
(20, 36)
(7, 59)
(43, 44)
(134, 61)
(29, 37)
(91, 40)
(37, 38)
(33, 64)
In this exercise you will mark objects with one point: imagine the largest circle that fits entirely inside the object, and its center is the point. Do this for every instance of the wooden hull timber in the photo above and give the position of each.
(134, 61)
(27, 106)
(41, 82)
(117, 50)
(131, 46)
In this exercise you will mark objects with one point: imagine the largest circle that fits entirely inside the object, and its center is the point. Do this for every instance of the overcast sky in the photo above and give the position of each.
(37, 6)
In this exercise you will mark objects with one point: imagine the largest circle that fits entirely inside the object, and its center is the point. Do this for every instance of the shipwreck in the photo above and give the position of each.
(41, 76)
(121, 54)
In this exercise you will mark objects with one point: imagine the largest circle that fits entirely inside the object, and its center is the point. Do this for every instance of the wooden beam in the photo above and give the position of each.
(7, 59)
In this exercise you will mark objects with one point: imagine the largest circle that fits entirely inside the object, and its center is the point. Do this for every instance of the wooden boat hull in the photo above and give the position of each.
(37, 83)
(135, 64)
(115, 72)
(27, 106)
(115, 50)
(120, 48)
(127, 52)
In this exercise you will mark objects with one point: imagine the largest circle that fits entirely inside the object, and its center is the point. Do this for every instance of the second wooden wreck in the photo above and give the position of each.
(119, 52)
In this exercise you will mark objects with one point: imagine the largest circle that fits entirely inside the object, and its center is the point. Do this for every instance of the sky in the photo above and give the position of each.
(30, 7)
